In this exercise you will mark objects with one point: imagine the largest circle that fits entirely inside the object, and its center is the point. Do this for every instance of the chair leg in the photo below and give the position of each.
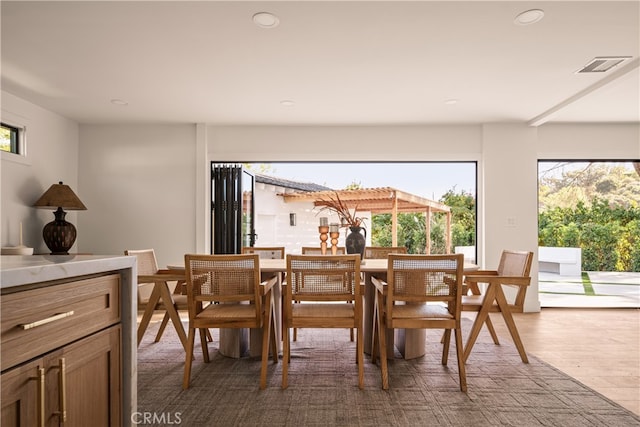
(187, 358)
(266, 335)
(285, 358)
(492, 331)
(203, 343)
(374, 335)
(459, 354)
(511, 324)
(163, 325)
(360, 356)
(274, 336)
(382, 338)
(446, 338)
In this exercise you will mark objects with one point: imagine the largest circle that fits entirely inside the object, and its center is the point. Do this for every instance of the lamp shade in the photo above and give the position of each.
(60, 196)
(59, 235)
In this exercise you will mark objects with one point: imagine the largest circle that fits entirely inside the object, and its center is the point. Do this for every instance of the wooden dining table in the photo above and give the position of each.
(411, 342)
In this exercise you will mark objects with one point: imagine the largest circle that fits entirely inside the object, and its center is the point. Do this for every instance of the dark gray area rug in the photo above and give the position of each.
(323, 388)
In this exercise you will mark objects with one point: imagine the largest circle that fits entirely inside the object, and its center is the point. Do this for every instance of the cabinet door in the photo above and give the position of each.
(23, 395)
(87, 380)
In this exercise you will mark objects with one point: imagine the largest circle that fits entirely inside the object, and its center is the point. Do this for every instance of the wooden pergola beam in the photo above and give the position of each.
(379, 201)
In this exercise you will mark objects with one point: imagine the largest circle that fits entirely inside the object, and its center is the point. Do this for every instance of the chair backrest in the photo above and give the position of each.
(381, 252)
(222, 278)
(275, 252)
(322, 278)
(315, 250)
(147, 265)
(425, 278)
(516, 263)
(146, 260)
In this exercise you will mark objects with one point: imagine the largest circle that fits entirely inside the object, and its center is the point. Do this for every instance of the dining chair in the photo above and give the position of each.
(329, 291)
(147, 265)
(237, 299)
(421, 292)
(315, 250)
(273, 252)
(513, 271)
(381, 252)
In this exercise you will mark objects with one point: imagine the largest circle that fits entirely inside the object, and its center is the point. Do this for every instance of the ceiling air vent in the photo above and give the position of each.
(602, 64)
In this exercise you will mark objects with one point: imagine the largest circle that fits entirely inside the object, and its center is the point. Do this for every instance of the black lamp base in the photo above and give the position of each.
(59, 235)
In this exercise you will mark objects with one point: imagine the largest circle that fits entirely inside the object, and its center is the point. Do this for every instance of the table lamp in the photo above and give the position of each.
(59, 235)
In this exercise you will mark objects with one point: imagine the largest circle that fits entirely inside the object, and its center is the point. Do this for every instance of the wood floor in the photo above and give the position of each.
(598, 347)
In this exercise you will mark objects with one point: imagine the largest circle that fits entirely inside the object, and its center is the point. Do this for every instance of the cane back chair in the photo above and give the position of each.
(421, 292)
(329, 294)
(243, 301)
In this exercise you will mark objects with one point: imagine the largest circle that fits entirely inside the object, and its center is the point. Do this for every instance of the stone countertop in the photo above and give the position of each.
(17, 270)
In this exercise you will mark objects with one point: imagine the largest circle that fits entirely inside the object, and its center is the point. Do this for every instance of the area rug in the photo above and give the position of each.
(323, 388)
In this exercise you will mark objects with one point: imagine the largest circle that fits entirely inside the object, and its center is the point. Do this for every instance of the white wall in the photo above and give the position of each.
(52, 156)
(141, 191)
(604, 141)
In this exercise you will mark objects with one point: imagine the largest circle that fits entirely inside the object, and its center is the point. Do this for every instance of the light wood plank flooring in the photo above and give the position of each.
(598, 347)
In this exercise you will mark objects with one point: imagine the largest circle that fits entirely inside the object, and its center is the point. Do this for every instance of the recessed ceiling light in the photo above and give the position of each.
(287, 103)
(265, 20)
(119, 102)
(451, 101)
(529, 17)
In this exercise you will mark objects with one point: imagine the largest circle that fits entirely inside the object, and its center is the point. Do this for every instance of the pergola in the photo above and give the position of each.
(382, 200)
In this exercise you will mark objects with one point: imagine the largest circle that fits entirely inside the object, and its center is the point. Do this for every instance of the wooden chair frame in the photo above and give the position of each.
(149, 273)
(265, 252)
(381, 252)
(243, 301)
(406, 300)
(514, 270)
(316, 250)
(328, 293)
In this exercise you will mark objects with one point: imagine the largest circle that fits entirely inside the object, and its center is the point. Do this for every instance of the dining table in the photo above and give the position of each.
(411, 343)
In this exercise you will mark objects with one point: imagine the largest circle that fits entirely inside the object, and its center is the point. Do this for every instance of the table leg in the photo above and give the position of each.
(410, 342)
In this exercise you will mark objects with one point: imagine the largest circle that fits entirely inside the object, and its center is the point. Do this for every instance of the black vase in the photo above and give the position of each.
(356, 241)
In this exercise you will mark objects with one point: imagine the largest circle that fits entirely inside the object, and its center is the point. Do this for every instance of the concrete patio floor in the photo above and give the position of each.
(598, 289)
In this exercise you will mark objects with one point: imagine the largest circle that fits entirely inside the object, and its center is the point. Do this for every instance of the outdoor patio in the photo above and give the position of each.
(594, 289)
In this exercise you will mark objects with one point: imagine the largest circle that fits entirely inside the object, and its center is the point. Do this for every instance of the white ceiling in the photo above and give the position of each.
(341, 62)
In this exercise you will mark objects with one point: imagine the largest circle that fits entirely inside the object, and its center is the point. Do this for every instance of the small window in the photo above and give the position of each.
(10, 139)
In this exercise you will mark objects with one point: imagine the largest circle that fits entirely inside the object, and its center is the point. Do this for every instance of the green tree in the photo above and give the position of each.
(463, 217)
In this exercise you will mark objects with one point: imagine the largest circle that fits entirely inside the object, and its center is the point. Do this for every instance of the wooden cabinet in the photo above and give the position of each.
(61, 354)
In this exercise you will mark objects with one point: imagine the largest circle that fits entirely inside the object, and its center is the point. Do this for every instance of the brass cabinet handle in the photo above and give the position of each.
(62, 393)
(41, 389)
(53, 318)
